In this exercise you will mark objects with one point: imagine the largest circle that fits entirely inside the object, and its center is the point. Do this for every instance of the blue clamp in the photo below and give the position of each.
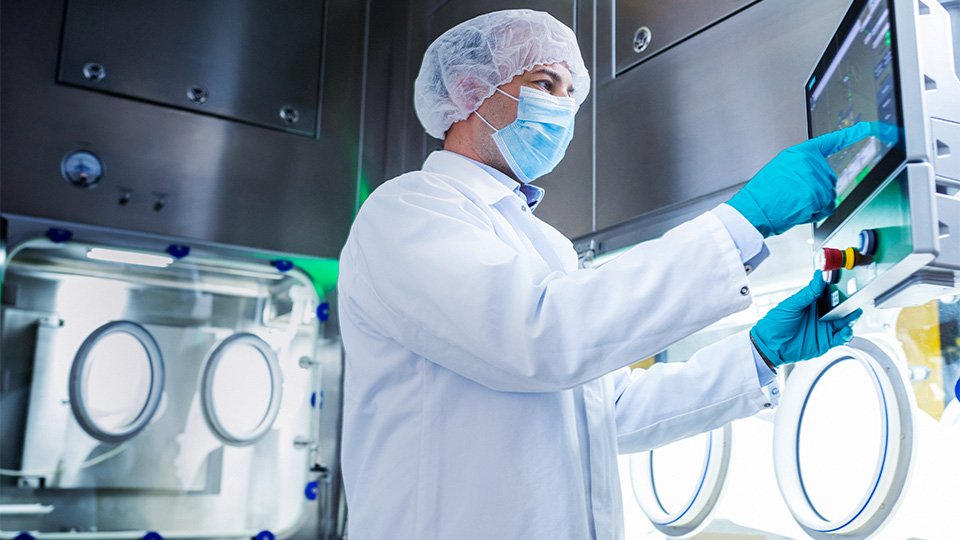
(265, 535)
(24, 536)
(178, 251)
(152, 535)
(59, 236)
(310, 491)
(282, 265)
(313, 399)
(323, 312)
(956, 390)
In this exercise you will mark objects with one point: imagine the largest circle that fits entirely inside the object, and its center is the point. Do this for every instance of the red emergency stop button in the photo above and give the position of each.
(830, 259)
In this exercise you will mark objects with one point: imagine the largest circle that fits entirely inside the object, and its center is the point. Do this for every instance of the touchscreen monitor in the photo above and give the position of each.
(856, 81)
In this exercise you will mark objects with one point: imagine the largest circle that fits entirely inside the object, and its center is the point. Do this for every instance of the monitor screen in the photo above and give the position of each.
(856, 81)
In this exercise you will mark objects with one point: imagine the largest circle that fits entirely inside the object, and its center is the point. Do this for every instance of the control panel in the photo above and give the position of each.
(894, 239)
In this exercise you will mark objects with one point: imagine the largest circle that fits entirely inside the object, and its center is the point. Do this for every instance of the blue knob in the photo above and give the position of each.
(282, 265)
(310, 491)
(178, 251)
(868, 242)
(313, 399)
(323, 312)
(152, 535)
(264, 535)
(956, 389)
(24, 536)
(59, 236)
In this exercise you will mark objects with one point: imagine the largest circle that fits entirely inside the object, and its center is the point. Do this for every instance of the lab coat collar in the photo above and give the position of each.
(478, 175)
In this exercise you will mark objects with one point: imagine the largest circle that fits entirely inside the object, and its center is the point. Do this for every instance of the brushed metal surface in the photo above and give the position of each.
(667, 22)
(695, 122)
(220, 180)
(252, 59)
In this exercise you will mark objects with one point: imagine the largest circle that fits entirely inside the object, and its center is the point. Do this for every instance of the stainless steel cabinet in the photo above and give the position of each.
(681, 131)
(171, 171)
(644, 28)
(244, 60)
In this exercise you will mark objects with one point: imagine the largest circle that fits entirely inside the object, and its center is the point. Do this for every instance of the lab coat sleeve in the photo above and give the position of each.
(672, 401)
(429, 270)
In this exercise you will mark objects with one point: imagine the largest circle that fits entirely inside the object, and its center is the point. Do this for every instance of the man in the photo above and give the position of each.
(486, 393)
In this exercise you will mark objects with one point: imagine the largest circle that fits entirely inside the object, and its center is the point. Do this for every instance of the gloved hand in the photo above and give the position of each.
(798, 186)
(791, 331)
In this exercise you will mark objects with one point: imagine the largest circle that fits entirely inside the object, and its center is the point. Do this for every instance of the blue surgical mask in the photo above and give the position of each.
(535, 142)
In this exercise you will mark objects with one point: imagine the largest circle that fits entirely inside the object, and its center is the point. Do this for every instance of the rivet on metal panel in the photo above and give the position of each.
(289, 115)
(125, 196)
(159, 201)
(641, 39)
(94, 72)
(197, 94)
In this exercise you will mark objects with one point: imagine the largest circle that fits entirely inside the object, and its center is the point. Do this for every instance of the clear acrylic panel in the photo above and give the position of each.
(108, 370)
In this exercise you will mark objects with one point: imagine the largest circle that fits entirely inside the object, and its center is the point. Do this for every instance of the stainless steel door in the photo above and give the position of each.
(682, 130)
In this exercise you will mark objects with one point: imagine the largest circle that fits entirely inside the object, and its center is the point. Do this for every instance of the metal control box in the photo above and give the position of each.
(895, 238)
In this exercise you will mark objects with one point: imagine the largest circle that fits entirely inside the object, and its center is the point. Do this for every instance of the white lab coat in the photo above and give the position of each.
(485, 390)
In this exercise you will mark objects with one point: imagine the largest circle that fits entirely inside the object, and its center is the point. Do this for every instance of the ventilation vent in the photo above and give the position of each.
(948, 188)
(924, 9)
(929, 83)
(944, 230)
(943, 150)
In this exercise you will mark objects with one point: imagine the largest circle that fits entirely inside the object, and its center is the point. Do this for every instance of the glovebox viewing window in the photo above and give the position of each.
(116, 381)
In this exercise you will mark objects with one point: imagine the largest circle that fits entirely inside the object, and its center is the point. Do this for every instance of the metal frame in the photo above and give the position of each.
(79, 373)
(700, 506)
(209, 371)
(895, 458)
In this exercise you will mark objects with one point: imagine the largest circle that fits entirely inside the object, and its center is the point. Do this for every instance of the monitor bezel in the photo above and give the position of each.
(897, 155)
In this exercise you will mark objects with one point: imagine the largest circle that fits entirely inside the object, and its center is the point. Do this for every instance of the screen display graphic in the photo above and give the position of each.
(858, 86)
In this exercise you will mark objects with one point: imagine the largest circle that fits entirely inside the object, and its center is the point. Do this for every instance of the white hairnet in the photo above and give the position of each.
(466, 64)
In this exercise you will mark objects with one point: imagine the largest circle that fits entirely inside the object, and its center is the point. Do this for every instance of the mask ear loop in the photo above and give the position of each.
(485, 120)
(508, 95)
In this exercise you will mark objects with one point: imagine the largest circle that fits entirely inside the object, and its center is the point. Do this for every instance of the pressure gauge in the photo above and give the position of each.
(81, 168)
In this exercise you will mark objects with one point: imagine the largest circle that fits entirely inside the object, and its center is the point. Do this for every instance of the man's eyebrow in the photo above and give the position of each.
(554, 75)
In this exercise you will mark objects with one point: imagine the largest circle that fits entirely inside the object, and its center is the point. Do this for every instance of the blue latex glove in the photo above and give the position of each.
(792, 332)
(798, 186)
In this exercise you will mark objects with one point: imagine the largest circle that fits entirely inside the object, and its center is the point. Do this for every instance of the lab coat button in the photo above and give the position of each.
(767, 405)
(523, 207)
(744, 290)
(775, 391)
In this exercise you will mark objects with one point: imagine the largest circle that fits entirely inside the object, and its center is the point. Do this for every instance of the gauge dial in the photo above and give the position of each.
(81, 168)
